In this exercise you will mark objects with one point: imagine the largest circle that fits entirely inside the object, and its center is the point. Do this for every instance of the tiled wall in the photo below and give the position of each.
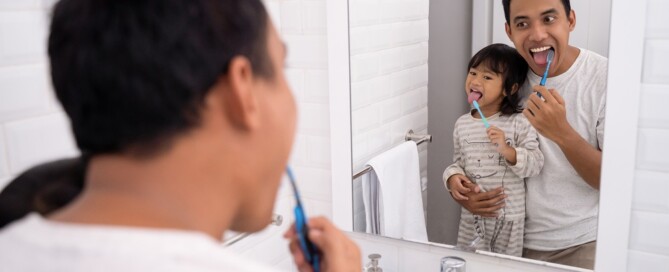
(34, 129)
(389, 76)
(649, 238)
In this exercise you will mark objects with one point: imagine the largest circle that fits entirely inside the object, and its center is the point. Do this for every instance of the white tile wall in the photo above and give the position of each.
(649, 250)
(32, 129)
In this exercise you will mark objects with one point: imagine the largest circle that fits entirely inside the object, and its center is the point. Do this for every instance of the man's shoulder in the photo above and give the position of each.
(594, 60)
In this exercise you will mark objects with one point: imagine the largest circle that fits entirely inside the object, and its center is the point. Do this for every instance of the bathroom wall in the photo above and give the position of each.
(388, 43)
(33, 128)
(648, 242)
(389, 76)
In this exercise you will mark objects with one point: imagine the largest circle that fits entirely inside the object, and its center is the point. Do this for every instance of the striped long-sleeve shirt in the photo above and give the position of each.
(477, 158)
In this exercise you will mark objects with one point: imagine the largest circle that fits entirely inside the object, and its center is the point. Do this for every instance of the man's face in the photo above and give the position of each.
(537, 26)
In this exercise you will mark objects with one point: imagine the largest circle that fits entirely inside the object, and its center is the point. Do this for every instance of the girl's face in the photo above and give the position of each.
(485, 85)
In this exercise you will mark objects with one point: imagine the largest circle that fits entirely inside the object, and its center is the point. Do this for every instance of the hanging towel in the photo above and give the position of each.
(392, 194)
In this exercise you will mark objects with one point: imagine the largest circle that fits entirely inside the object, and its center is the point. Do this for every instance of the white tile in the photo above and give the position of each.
(10, 5)
(391, 60)
(23, 91)
(648, 232)
(291, 17)
(4, 162)
(274, 10)
(364, 66)
(650, 191)
(361, 93)
(650, 115)
(391, 11)
(652, 150)
(391, 109)
(37, 140)
(314, 119)
(295, 79)
(657, 24)
(655, 58)
(299, 153)
(365, 118)
(414, 55)
(363, 13)
(317, 90)
(379, 140)
(315, 17)
(307, 51)
(314, 183)
(318, 151)
(647, 262)
(412, 101)
(47, 4)
(22, 37)
(317, 208)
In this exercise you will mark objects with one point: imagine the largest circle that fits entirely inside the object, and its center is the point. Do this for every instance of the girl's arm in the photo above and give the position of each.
(529, 158)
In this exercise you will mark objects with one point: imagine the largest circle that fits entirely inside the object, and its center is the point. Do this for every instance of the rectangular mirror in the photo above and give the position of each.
(408, 71)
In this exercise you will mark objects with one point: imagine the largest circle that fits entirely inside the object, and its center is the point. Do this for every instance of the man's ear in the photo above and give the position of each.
(239, 99)
(507, 28)
(572, 20)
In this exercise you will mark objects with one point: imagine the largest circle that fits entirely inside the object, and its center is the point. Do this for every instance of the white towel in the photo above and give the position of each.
(392, 194)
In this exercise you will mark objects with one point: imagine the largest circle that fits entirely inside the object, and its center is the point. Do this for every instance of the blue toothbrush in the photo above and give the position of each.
(311, 252)
(485, 121)
(549, 60)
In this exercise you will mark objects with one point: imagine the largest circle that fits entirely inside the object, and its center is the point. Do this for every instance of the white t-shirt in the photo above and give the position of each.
(561, 207)
(37, 244)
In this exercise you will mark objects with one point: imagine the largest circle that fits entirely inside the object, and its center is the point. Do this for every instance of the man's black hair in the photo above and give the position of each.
(508, 63)
(132, 74)
(507, 12)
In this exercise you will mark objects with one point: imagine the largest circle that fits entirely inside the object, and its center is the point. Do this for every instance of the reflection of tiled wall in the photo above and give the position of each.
(649, 250)
(34, 129)
(388, 74)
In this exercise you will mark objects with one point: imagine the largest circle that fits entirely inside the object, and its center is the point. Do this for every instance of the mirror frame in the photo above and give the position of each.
(626, 47)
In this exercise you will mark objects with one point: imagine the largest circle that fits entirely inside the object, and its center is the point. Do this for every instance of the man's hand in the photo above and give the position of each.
(485, 204)
(548, 117)
(339, 253)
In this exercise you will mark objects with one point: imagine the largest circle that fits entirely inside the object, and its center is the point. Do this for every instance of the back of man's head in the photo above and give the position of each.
(506, 4)
(132, 74)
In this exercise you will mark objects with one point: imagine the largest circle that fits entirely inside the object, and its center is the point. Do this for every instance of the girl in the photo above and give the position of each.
(500, 154)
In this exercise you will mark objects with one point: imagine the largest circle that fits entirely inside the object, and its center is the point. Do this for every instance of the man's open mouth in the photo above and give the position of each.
(539, 54)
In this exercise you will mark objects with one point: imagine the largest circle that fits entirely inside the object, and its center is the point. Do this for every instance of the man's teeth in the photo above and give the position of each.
(540, 49)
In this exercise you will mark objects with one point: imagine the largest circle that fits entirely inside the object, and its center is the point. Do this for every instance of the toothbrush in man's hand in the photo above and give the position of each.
(549, 60)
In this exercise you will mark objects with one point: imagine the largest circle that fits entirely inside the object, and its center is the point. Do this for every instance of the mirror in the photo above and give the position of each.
(408, 66)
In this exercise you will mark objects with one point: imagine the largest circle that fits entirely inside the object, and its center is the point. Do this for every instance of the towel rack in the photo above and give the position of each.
(277, 219)
(410, 136)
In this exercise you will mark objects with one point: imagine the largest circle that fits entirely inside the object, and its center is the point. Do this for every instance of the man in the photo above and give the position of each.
(563, 201)
(185, 113)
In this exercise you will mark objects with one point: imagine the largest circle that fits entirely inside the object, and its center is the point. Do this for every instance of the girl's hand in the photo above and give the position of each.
(459, 185)
(498, 138)
(339, 253)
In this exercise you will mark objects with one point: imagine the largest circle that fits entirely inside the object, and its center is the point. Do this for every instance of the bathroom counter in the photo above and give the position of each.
(399, 255)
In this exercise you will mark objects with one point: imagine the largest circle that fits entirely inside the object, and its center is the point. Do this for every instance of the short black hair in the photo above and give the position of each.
(132, 74)
(507, 13)
(504, 60)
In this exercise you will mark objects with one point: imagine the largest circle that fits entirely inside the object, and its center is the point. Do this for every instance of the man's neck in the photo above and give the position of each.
(172, 191)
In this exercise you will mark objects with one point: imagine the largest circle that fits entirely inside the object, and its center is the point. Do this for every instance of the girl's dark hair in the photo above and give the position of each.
(507, 62)
(43, 189)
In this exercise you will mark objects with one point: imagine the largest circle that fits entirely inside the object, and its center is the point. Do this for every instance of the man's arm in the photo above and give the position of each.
(550, 119)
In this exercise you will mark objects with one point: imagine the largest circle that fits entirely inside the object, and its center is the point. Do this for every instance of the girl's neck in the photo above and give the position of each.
(487, 112)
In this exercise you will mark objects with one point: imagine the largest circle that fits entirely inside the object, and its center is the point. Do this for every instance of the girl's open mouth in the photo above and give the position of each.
(474, 95)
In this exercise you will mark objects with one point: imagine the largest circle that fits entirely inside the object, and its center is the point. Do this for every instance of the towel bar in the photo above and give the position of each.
(410, 136)
(277, 219)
